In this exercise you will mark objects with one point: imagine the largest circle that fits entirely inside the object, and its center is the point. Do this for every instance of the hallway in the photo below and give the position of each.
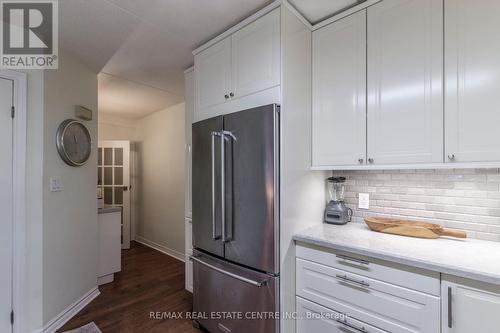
(150, 281)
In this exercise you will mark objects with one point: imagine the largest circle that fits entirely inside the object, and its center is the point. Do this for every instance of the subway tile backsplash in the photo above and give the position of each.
(467, 199)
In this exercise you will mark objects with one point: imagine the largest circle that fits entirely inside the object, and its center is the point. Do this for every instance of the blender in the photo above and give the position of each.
(336, 212)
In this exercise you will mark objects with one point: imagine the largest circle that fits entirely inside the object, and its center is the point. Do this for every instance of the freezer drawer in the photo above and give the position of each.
(228, 298)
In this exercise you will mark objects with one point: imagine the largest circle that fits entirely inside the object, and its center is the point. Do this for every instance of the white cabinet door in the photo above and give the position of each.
(256, 56)
(405, 65)
(469, 306)
(339, 92)
(212, 76)
(472, 80)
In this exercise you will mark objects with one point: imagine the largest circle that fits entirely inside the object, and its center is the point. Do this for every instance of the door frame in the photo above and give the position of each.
(19, 193)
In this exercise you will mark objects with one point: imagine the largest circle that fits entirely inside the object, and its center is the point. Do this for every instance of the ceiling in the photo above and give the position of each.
(141, 48)
(318, 10)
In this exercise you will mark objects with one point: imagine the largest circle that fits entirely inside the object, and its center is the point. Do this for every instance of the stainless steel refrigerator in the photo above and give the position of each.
(236, 221)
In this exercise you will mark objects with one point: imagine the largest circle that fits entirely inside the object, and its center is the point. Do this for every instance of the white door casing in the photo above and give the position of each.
(114, 179)
(405, 70)
(339, 92)
(6, 204)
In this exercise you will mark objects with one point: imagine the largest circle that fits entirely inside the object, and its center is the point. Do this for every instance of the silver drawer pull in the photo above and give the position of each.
(345, 323)
(347, 279)
(241, 278)
(359, 261)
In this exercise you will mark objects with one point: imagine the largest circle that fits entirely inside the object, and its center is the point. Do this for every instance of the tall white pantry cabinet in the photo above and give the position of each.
(432, 82)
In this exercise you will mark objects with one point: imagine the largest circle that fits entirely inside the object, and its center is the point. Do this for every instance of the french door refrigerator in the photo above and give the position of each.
(236, 221)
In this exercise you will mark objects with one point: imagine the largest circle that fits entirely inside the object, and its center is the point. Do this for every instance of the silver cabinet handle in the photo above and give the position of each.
(214, 230)
(361, 161)
(356, 260)
(231, 95)
(226, 96)
(370, 160)
(347, 279)
(451, 157)
(450, 308)
(347, 324)
(220, 270)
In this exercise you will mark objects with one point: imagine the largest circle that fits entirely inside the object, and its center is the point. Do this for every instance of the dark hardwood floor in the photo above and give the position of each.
(150, 281)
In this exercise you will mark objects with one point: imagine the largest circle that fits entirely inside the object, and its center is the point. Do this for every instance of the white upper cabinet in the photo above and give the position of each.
(241, 71)
(469, 306)
(472, 57)
(256, 56)
(213, 75)
(339, 92)
(405, 66)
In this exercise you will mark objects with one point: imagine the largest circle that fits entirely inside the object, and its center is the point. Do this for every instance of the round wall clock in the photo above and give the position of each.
(74, 143)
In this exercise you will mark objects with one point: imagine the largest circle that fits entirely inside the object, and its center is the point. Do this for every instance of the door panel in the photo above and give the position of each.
(114, 181)
(6, 222)
(251, 188)
(339, 92)
(256, 55)
(468, 300)
(472, 80)
(405, 69)
(217, 292)
(205, 218)
(212, 77)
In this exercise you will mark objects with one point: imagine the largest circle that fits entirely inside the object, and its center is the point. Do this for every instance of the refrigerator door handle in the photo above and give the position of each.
(225, 135)
(223, 184)
(258, 284)
(214, 230)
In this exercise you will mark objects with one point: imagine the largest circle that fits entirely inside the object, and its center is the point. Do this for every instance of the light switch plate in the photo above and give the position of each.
(364, 200)
(55, 184)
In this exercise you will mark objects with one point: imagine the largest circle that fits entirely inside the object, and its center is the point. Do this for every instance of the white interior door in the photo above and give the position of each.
(114, 180)
(6, 187)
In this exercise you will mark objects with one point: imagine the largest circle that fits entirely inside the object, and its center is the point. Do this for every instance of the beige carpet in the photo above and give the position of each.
(89, 328)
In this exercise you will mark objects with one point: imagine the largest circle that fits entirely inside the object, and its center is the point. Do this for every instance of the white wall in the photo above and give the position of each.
(161, 166)
(70, 233)
(111, 127)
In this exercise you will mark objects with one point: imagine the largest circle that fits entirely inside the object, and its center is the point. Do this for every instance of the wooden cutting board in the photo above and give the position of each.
(411, 228)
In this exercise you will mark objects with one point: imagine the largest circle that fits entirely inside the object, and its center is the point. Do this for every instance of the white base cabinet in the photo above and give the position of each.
(469, 306)
(368, 298)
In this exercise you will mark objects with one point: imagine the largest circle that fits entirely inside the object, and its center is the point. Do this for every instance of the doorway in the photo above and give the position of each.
(6, 203)
(114, 181)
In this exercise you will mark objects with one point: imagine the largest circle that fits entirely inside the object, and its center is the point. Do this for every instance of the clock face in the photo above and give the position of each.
(74, 142)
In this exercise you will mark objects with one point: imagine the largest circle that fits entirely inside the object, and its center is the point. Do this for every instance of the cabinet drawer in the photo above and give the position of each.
(378, 303)
(312, 317)
(404, 276)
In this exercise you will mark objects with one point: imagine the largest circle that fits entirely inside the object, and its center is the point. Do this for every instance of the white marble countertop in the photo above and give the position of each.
(469, 258)
(108, 209)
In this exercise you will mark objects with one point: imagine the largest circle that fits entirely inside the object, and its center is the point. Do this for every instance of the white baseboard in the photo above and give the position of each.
(71, 311)
(163, 249)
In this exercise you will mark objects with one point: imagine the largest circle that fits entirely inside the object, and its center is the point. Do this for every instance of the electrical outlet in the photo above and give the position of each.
(364, 200)
(55, 184)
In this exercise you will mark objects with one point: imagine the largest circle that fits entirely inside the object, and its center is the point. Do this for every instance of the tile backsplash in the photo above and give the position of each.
(467, 199)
